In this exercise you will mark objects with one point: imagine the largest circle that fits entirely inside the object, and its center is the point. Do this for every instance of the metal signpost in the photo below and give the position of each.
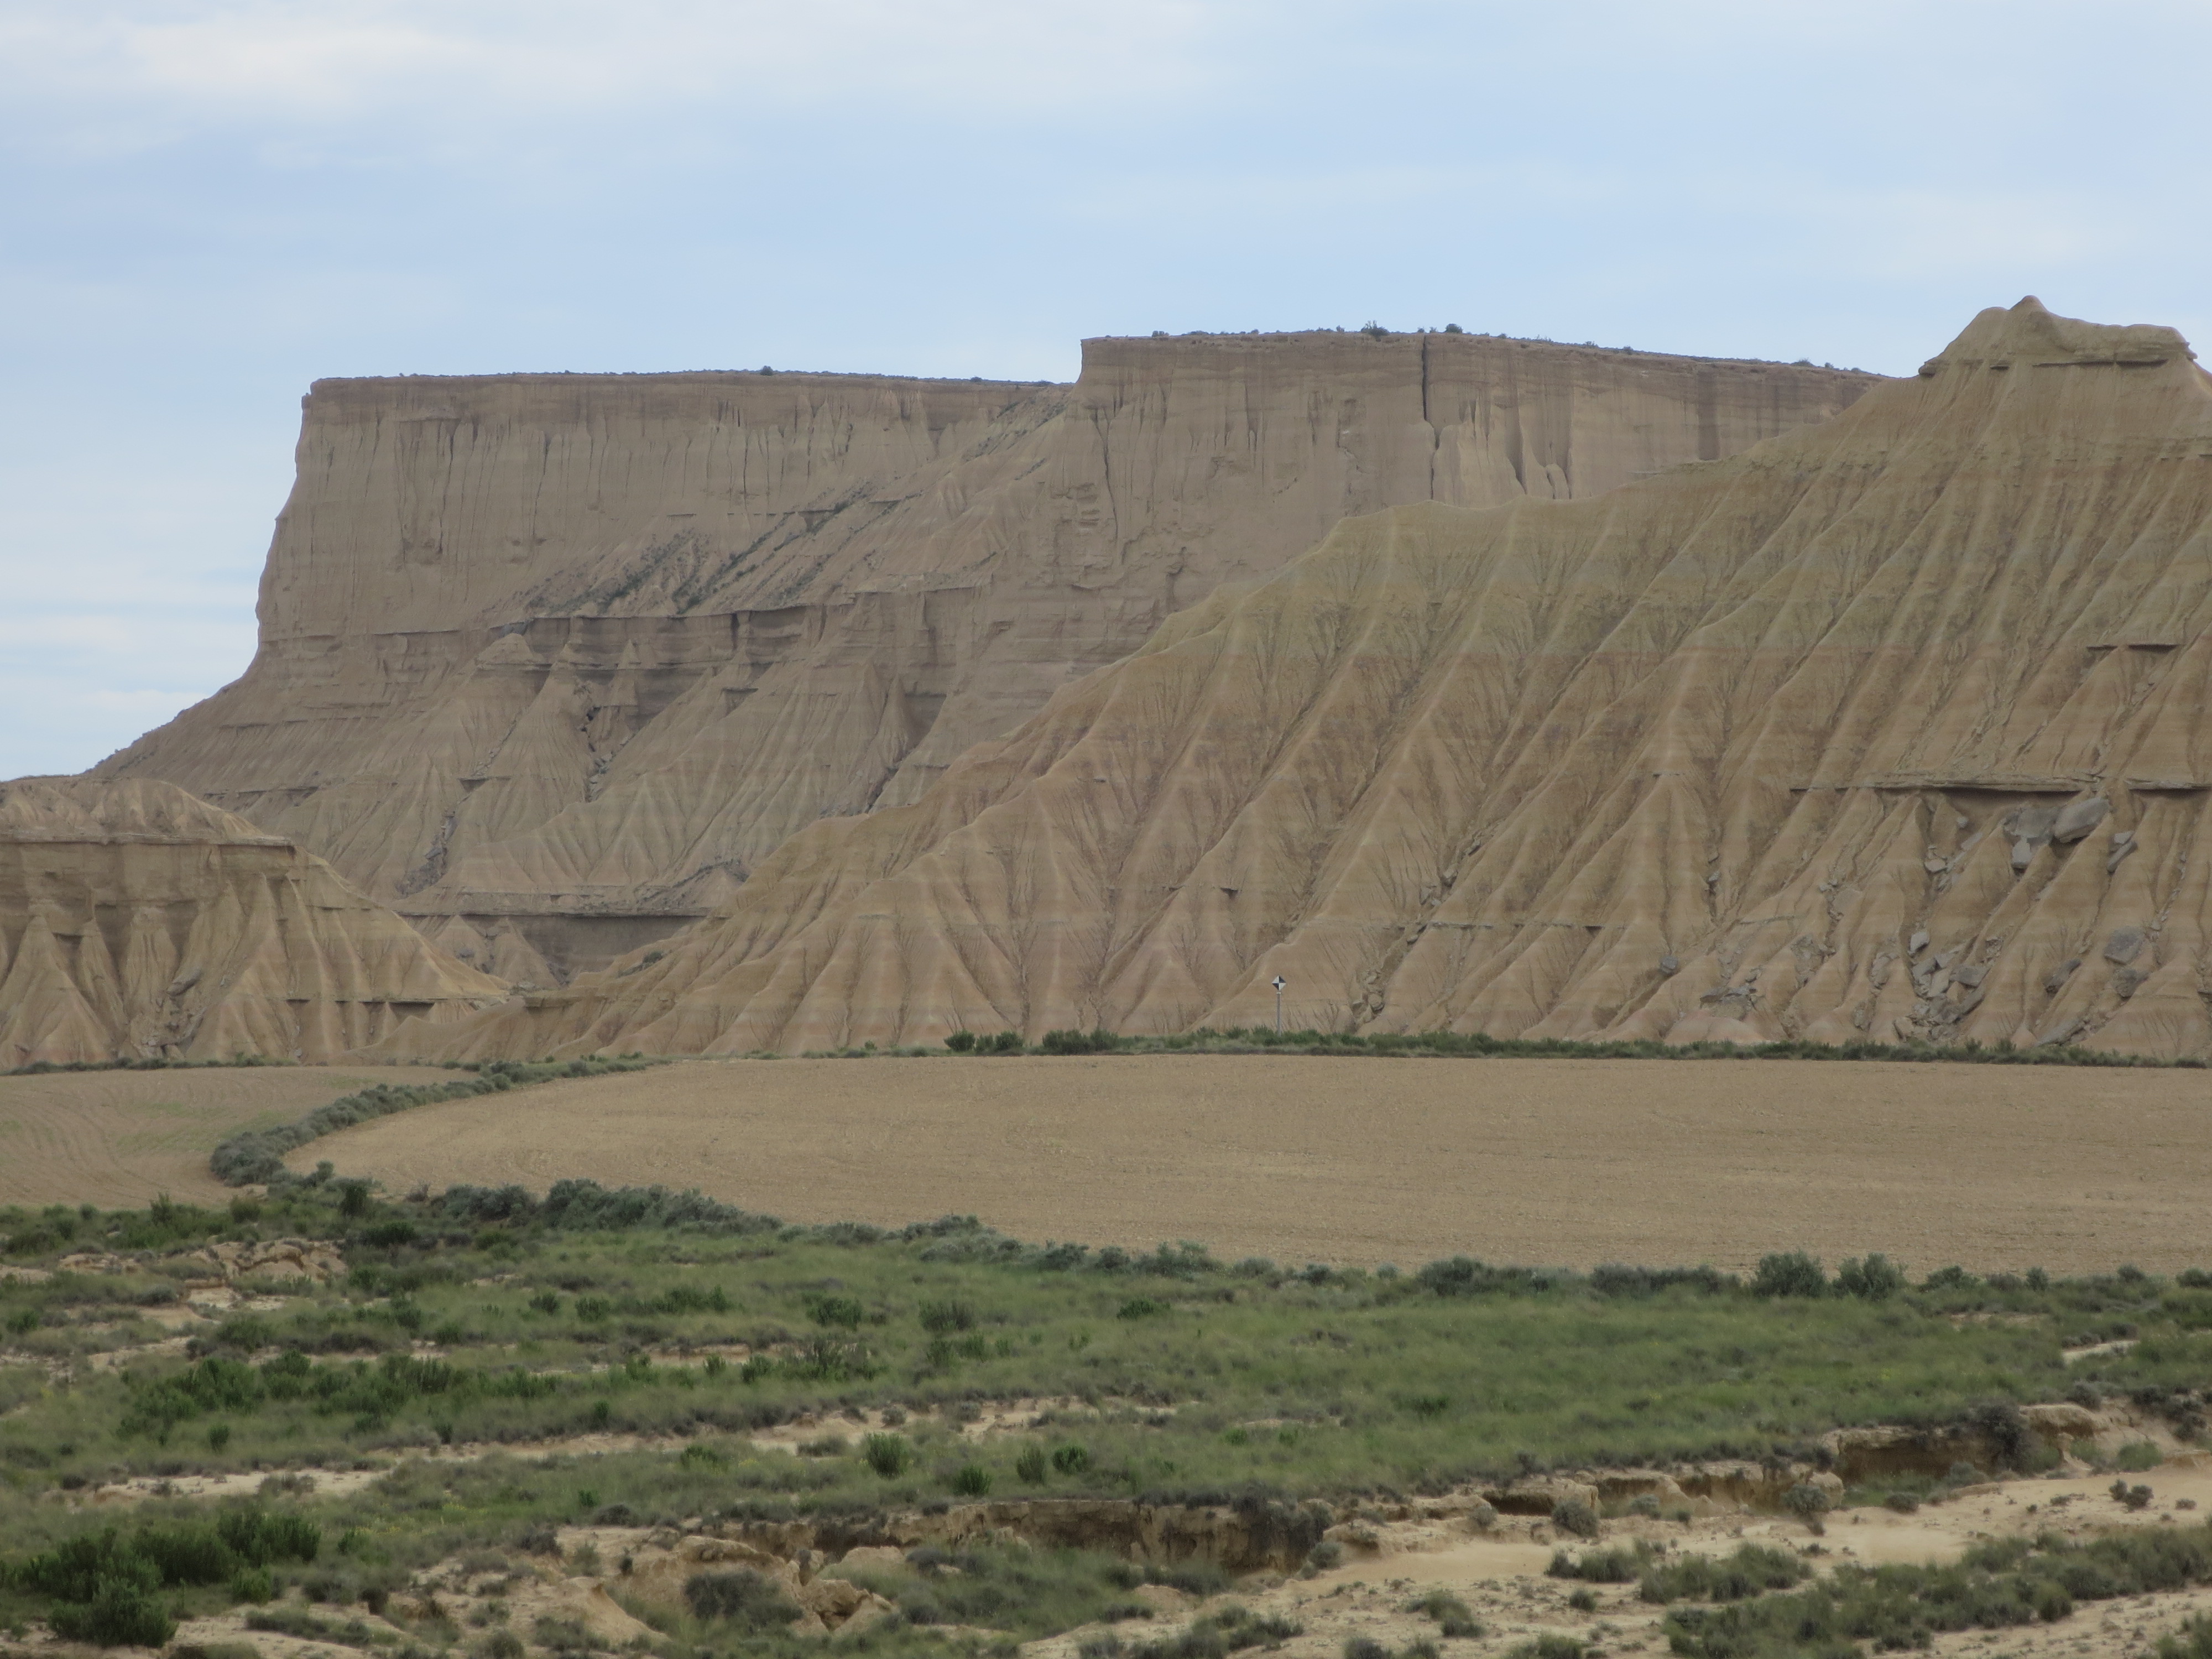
(1279, 982)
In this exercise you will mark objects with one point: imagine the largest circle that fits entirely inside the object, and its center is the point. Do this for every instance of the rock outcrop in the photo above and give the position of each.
(1890, 728)
(552, 662)
(139, 922)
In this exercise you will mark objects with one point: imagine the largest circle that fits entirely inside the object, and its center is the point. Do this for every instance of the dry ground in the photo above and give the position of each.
(1552, 1162)
(119, 1138)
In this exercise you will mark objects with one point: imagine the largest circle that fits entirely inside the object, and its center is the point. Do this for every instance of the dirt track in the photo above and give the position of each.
(1551, 1161)
(118, 1138)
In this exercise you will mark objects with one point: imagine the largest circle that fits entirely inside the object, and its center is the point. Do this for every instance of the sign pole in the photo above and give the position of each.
(1279, 982)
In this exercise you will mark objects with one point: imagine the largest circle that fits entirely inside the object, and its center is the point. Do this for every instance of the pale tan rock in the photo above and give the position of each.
(1486, 770)
(576, 650)
(136, 921)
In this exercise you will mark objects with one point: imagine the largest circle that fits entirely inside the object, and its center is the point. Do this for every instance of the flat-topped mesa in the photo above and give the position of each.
(137, 922)
(1890, 729)
(557, 659)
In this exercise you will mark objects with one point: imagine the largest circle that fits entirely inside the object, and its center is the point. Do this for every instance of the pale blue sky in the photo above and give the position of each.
(206, 205)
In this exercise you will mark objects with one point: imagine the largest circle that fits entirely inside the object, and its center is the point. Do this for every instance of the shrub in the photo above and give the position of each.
(1029, 1465)
(1614, 1566)
(940, 1318)
(1574, 1515)
(742, 1597)
(1454, 1618)
(1325, 1556)
(887, 1455)
(1903, 1502)
(1548, 1647)
(1097, 1042)
(502, 1644)
(254, 1584)
(2136, 1457)
(1873, 1280)
(1790, 1272)
(2131, 1497)
(961, 1042)
(1752, 1568)
(120, 1613)
(1807, 1502)
(837, 1312)
(1140, 1307)
(1583, 1601)
(972, 1480)
(1070, 1459)
(594, 1309)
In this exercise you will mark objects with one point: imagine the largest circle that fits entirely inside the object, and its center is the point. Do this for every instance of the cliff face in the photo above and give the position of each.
(551, 662)
(137, 922)
(1891, 728)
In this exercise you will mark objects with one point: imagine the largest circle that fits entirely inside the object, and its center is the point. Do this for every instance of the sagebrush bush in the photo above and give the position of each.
(750, 1601)
(1789, 1273)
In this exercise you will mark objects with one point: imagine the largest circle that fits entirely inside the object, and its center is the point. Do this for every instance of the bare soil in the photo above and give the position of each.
(118, 1138)
(1559, 1162)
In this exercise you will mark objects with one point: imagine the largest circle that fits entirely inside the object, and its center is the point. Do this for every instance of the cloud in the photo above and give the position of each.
(456, 62)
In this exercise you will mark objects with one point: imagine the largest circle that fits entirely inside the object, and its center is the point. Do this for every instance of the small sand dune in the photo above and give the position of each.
(1570, 1163)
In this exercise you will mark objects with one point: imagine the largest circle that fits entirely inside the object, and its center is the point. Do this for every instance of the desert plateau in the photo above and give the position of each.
(1351, 993)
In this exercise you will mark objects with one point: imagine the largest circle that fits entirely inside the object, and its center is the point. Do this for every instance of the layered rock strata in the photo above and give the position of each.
(139, 922)
(551, 662)
(1891, 728)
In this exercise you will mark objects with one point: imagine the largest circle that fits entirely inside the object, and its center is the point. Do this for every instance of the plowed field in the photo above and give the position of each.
(118, 1138)
(1564, 1163)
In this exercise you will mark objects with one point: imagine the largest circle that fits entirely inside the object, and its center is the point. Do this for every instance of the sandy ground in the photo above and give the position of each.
(119, 1138)
(1569, 1163)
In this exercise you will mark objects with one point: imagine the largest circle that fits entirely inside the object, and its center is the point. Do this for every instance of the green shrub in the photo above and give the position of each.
(255, 1584)
(1548, 1647)
(1752, 1568)
(1790, 1272)
(942, 1318)
(1572, 1514)
(1873, 1279)
(120, 1614)
(1614, 1567)
(972, 1480)
(2136, 1457)
(837, 1312)
(1029, 1465)
(1453, 1616)
(887, 1455)
(1071, 1459)
(1140, 1307)
(961, 1042)
(750, 1601)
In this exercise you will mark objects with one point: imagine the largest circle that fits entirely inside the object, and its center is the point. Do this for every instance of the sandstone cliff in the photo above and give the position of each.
(137, 922)
(1891, 728)
(551, 662)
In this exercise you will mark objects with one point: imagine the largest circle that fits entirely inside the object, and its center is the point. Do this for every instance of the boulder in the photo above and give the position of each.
(2079, 818)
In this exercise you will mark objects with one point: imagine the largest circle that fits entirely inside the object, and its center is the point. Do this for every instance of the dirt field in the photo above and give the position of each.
(118, 1138)
(1569, 1163)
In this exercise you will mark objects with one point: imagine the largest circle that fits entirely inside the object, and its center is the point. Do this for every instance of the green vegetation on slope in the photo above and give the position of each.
(494, 1317)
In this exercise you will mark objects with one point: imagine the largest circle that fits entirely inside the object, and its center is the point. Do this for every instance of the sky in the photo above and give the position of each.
(207, 204)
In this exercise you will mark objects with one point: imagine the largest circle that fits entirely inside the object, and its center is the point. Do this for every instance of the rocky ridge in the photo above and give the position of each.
(553, 662)
(137, 922)
(1889, 729)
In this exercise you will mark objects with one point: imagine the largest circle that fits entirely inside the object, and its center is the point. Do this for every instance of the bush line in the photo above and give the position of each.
(1426, 1045)
(258, 1155)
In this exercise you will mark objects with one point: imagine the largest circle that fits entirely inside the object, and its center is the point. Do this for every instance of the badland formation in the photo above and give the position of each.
(1463, 682)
